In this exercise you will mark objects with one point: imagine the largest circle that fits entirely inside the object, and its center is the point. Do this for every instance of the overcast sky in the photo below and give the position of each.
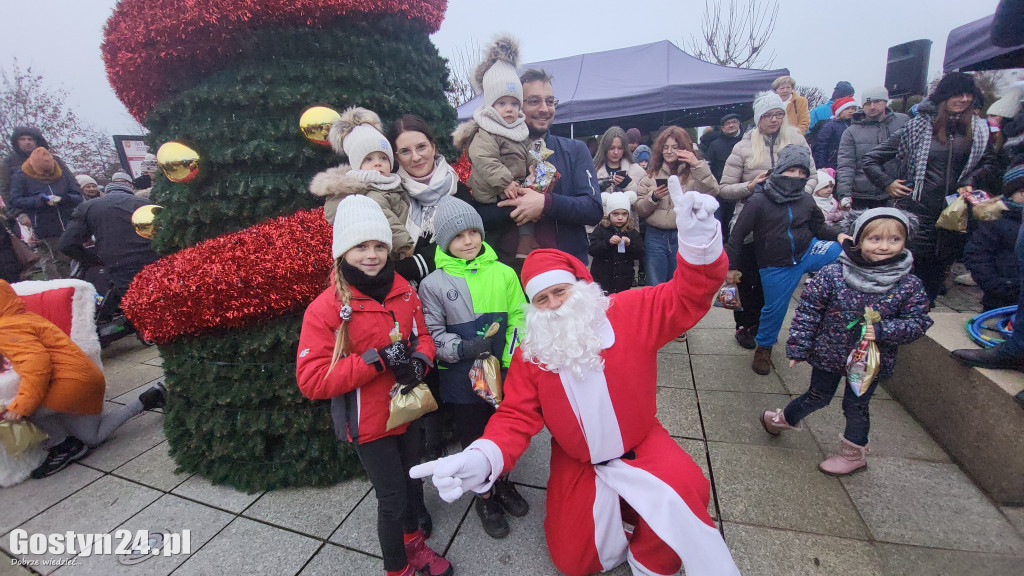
(820, 41)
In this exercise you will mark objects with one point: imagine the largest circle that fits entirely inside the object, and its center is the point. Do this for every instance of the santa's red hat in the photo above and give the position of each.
(546, 267)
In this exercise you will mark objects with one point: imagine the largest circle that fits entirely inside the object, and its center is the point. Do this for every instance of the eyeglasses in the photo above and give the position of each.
(421, 150)
(535, 101)
(775, 115)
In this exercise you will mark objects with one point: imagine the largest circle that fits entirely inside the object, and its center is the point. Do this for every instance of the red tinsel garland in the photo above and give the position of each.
(233, 280)
(148, 42)
(463, 168)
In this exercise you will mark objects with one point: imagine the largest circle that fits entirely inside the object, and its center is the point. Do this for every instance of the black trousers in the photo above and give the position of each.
(399, 498)
(470, 421)
(932, 272)
(751, 293)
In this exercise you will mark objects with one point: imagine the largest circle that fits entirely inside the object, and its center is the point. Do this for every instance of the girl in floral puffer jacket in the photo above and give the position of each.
(873, 270)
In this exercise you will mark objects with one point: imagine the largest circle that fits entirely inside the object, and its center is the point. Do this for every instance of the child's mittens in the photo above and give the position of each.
(700, 234)
(394, 355)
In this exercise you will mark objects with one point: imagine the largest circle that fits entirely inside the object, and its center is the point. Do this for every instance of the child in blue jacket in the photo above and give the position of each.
(873, 270)
(469, 291)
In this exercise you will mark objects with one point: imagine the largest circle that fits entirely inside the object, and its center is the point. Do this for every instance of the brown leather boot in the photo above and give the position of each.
(762, 363)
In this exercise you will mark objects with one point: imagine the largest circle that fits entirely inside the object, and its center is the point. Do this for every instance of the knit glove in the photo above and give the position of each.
(394, 355)
(409, 375)
(474, 348)
(700, 234)
(456, 474)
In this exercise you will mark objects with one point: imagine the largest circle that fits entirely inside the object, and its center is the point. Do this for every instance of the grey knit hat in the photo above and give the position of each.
(873, 94)
(452, 216)
(793, 155)
(875, 214)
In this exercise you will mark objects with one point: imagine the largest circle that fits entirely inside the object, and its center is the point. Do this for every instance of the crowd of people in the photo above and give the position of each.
(432, 274)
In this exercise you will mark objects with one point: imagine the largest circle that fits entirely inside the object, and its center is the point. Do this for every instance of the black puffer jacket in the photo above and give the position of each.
(719, 150)
(109, 219)
(990, 257)
(782, 232)
(612, 269)
(860, 138)
(946, 163)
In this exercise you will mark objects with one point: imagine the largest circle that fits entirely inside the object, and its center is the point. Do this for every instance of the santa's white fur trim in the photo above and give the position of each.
(546, 280)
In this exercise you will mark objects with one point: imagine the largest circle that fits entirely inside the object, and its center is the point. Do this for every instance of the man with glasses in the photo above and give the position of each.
(575, 201)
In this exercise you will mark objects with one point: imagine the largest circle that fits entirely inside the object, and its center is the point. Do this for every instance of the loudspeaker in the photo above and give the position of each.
(906, 72)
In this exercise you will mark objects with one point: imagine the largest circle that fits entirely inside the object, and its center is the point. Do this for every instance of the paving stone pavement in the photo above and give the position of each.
(911, 512)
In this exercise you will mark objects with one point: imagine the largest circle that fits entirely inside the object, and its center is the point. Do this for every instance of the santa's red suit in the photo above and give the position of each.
(611, 459)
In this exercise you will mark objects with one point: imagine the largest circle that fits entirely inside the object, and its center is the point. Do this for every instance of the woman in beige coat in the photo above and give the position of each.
(796, 105)
(751, 160)
(672, 154)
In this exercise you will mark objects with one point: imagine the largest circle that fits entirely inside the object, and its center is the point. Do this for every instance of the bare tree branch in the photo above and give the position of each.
(736, 36)
(26, 100)
(815, 96)
(460, 73)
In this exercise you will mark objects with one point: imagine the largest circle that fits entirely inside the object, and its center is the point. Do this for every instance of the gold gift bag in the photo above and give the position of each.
(408, 406)
(486, 378)
(17, 437)
(954, 217)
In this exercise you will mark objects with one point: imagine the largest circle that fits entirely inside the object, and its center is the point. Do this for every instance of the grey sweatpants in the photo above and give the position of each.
(92, 429)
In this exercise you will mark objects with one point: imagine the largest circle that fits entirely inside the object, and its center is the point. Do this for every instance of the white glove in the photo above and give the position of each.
(454, 475)
(700, 234)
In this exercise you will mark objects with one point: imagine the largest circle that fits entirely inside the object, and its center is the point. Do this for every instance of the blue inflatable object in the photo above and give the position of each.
(998, 321)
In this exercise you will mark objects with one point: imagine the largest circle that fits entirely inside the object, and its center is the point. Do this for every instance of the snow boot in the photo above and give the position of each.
(510, 499)
(850, 459)
(775, 422)
(762, 363)
(424, 559)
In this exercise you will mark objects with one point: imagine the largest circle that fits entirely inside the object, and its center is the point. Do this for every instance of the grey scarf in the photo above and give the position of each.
(913, 148)
(877, 279)
(424, 197)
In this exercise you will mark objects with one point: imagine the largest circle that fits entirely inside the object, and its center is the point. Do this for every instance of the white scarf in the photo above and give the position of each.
(424, 197)
(376, 179)
(490, 121)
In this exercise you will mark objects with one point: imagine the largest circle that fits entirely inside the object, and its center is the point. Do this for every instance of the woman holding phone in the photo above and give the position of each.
(672, 154)
(612, 160)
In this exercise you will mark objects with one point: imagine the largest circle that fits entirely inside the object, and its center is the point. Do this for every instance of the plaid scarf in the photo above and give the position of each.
(916, 143)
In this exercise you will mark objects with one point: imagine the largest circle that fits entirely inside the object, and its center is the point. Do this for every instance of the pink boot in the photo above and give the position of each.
(850, 459)
(423, 558)
(775, 422)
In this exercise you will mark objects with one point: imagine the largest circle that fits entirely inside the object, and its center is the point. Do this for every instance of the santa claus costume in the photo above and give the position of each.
(611, 459)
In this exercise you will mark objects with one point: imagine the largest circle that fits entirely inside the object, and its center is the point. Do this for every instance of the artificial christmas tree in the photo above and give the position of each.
(246, 247)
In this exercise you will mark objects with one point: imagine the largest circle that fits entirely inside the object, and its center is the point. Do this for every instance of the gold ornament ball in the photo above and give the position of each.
(315, 124)
(178, 162)
(143, 218)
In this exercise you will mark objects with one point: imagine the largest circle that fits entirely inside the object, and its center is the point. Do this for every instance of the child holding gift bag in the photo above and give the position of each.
(469, 291)
(615, 243)
(347, 354)
(873, 271)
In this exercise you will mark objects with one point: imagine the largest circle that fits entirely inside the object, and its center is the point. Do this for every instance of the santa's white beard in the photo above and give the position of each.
(568, 338)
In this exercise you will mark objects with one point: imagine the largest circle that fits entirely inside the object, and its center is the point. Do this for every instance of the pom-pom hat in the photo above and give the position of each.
(497, 75)
(952, 84)
(359, 220)
(547, 267)
(824, 179)
(357, 134)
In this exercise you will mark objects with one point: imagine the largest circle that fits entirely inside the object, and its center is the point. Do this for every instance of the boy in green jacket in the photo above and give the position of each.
(468, 292)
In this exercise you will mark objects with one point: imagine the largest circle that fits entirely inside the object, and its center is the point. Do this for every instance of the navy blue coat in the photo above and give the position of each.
(575, 201)
(826, 146)
(28, 195)
(991, 258)
(819, 334)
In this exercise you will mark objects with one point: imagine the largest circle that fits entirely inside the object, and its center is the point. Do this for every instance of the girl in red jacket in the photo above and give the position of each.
(346, 354)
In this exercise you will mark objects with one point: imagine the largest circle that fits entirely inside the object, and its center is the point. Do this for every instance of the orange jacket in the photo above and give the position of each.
(54, 371)
(798, 114)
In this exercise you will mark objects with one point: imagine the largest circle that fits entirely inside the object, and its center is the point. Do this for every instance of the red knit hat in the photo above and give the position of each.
(842, 104)
(547, 267)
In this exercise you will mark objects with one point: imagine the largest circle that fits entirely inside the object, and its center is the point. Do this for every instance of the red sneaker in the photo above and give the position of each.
(424, 560)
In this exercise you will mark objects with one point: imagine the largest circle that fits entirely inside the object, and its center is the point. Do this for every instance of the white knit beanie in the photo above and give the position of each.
(875, 93)
(496, 75)
(764, 103)
(358, 220)
(84, 179)
(1008, 106)
(363, 140)
(823, 180)
(617, 201)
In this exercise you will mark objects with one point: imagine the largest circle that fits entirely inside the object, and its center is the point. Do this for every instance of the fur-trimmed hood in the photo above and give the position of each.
(336, 182)
(464, 133)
